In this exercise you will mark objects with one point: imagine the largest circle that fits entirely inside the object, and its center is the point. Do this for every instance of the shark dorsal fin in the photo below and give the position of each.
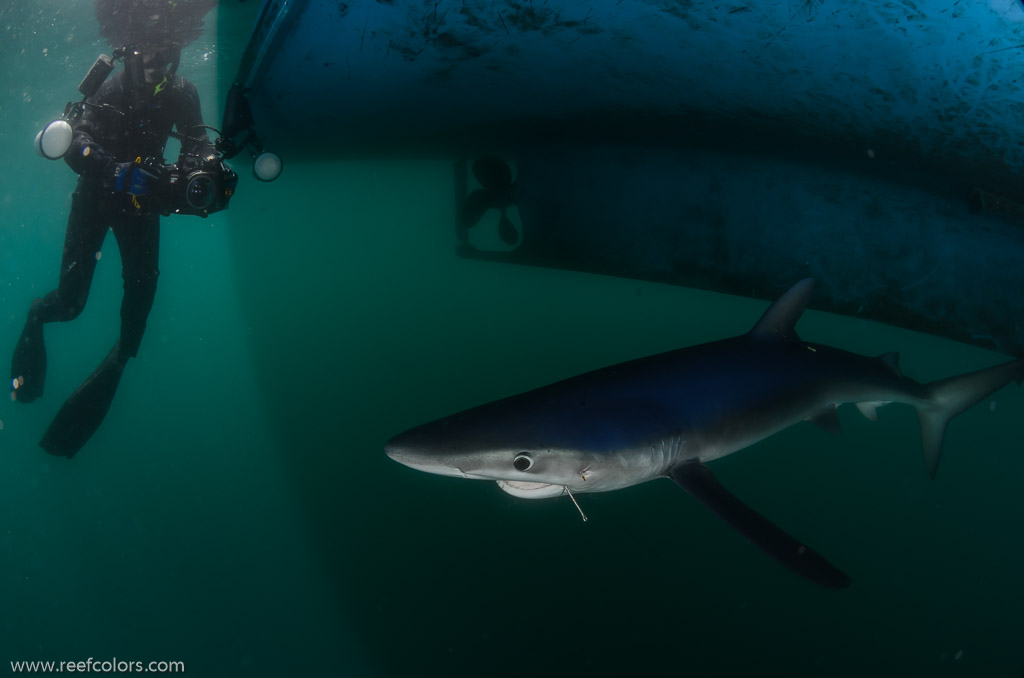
(779, 321)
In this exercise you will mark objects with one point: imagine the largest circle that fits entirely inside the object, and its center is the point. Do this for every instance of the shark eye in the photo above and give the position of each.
(523, 462)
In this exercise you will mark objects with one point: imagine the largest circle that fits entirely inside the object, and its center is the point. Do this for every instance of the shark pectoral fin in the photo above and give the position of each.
(697, 479)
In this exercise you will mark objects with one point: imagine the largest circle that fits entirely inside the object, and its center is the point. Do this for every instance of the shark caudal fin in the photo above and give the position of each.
(950, 397)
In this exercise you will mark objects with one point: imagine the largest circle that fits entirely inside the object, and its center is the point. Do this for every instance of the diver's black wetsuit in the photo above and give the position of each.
(118, 125)
(132, 127)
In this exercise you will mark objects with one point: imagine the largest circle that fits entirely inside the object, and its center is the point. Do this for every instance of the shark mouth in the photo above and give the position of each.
(525, 490)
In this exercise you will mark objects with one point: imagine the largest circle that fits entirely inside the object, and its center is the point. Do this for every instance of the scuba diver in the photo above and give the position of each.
(128, 119)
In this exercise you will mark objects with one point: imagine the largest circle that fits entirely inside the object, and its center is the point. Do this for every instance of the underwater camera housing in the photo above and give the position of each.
(193, 185)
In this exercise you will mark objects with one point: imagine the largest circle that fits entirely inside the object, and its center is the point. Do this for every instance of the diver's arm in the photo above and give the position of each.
(102, 118)
(86, 156)
(189, 122)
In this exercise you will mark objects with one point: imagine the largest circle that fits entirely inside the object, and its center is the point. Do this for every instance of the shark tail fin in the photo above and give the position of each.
(949, 397)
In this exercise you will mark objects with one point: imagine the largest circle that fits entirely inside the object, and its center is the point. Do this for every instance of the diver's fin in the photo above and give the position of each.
(28, 368)
(697, 479)
(83, 412)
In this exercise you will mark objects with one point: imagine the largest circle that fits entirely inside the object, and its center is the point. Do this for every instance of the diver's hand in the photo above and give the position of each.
(134, 179)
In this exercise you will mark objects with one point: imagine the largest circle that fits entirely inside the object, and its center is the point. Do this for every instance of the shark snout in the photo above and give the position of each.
(403, 454)
(421, 459)
(396, 452)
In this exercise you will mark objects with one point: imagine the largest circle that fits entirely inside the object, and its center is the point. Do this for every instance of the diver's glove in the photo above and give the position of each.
(134, 178)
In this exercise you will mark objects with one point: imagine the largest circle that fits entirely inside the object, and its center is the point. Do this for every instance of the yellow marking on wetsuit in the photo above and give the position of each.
(812, 349)
(135, 200)
(160, 86)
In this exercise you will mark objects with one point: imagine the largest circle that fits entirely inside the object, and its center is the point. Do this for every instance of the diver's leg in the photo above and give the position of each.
(82, 240)
(138, 239)
(139, 243)
(28, 366)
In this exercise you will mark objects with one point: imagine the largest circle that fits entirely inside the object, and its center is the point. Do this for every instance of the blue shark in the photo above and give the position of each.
(668, 415)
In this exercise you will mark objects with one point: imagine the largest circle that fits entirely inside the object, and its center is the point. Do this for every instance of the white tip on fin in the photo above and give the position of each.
(779, 321)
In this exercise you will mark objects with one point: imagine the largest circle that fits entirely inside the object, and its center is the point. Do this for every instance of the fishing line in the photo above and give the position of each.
(582, 514)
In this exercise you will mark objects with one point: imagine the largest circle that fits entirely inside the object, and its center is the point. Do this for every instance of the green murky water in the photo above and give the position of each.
(236, 511)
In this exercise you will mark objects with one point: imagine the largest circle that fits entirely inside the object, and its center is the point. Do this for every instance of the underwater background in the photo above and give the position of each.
(236, 511)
